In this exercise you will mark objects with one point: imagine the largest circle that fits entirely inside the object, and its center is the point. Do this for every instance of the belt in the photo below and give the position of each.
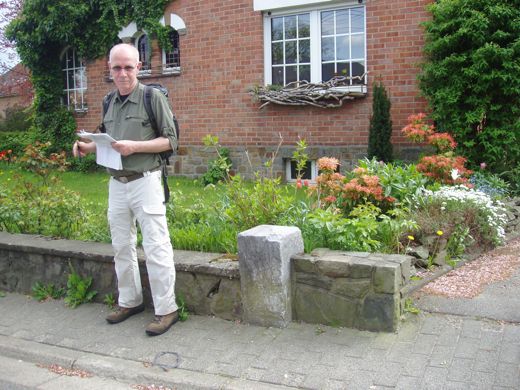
(135, 176)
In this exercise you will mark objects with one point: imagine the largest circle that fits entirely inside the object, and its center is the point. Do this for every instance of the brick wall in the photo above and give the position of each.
(222, 56)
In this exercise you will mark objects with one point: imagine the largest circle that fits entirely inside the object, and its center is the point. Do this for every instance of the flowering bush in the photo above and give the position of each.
(445, 169)
(417, 130)
(458, 207)
(443, 142)
(7, 156)
(336, 190)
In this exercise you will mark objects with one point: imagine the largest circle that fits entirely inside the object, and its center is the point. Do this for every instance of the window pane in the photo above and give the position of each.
(305, 73)
(305, 51)
(172, 58)
(277, 75)
(70, 81)
(358, 46)
(342, 49)
(342, 22)
(277, 53)
(343, 69)
(304, 26)
(357, 18)
(290, 52)
(358, 69)
(327, 23)
(306, 172)
(327, 49)
(276, 29)
(290, 27)
(327, 71)
(290, 74)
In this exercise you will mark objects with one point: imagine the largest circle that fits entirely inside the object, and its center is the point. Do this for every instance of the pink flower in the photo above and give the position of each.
(299, 183)
(306, 183)
(483, 165)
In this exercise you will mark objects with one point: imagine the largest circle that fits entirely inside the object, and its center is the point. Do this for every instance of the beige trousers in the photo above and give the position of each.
(142, 201)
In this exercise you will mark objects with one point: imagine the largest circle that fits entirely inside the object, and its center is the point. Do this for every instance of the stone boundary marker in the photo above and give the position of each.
(264, 254)
(272, 284)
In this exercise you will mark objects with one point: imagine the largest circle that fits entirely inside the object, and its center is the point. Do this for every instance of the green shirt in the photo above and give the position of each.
(128, 120)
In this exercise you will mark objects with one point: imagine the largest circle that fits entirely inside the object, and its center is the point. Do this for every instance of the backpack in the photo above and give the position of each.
(153, 122)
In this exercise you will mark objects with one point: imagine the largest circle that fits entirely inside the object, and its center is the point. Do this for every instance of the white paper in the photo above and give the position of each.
(105, 154)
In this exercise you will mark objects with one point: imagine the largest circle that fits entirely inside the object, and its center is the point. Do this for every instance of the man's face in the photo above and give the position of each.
(124, 69)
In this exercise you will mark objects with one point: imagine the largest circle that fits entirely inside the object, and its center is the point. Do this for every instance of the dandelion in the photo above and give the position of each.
(411, 238)
(440, 232)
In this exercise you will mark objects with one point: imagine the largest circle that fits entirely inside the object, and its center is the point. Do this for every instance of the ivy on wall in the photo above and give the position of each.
(45, 27)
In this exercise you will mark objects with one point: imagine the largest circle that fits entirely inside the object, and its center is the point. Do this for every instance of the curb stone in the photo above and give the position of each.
(129, 371)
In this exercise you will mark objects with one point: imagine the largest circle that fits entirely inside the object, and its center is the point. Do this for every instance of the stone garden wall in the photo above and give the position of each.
(273, 284)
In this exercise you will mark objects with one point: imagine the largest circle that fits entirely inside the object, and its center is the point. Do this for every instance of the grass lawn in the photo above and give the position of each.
(93, 187)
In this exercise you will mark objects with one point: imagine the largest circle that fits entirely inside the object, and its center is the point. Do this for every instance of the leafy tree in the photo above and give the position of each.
(379, 145)
(472, 77)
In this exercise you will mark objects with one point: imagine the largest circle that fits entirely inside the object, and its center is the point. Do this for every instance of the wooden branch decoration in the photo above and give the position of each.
(301, 93)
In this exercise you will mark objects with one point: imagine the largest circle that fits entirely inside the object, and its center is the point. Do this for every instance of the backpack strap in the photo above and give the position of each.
(148, 90)
(106, 103)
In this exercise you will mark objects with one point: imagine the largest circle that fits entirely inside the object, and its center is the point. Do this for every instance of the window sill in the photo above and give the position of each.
(331, 94)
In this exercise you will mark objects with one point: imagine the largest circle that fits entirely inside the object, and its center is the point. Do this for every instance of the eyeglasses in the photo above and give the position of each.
(119, 69)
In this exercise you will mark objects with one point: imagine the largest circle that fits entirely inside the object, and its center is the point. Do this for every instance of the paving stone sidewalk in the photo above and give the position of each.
(430, 351)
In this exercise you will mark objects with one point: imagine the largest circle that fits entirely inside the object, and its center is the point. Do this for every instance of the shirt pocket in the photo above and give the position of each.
(138, 128)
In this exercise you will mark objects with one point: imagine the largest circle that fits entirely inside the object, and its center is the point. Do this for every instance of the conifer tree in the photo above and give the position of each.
(379, 145)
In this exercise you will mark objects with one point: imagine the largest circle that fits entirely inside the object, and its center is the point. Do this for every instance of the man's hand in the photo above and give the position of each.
(126, 147)
(81, 149)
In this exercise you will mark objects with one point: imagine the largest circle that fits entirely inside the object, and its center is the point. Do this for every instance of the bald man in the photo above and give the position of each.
(136, 193)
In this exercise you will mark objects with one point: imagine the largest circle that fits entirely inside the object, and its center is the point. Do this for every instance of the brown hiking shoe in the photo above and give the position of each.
(122, 313)
(161, 324)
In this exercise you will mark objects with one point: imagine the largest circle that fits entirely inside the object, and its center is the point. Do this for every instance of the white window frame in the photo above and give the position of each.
(315, 44)
(138, 36)
(79, 91)
(171, 69)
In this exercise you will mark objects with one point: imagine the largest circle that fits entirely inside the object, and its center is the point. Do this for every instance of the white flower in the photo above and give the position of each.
(455, 174)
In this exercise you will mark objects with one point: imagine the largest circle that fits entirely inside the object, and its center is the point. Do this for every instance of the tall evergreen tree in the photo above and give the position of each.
(379, 145)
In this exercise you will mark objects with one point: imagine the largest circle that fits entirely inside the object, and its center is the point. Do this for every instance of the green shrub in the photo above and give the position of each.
(78, 289)
(451, 210)
(16, 141)
(85, 164)
(17, 119)
(380, 131)
(42, 292)
(471, 78)
(489, 183)
(218, 168)
(402, 182)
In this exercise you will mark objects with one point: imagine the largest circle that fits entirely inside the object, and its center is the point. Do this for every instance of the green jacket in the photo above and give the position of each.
(128, 120)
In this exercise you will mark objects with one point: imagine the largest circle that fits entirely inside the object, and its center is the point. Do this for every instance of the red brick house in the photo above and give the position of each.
(14, 87)
(223, 48)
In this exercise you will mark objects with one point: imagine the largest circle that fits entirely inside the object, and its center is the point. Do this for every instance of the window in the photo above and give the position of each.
(74, 80)
(172, 58)
(145, 53)
(315, 45)
(309, 173)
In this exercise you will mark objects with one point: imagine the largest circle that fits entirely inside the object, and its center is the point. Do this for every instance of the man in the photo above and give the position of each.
(135, 193)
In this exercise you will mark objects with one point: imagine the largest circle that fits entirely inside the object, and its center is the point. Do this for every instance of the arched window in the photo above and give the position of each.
(74, 80)
(172, 58)
(145, 53)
